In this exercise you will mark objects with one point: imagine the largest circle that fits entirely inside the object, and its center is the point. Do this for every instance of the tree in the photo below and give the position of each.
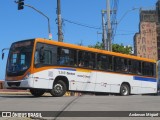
(97, 46)
(115, 48)
(122, 49)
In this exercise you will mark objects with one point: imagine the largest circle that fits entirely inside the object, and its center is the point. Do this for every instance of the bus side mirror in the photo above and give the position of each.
(3, 52)
(2, 56)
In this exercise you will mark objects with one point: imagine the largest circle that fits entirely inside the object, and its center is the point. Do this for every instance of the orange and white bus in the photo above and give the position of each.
(49, 66)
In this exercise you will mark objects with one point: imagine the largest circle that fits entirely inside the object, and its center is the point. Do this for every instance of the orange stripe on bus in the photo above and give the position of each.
(62, 44)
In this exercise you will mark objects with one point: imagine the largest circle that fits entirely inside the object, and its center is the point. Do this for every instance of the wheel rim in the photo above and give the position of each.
(58, 89)
(124, 90)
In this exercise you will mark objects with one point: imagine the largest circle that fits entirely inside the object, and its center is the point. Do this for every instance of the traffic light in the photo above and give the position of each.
(20, 4)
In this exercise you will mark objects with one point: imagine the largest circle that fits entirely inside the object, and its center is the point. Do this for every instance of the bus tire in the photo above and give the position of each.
(59, 89)
(124, 90)
(37, 92)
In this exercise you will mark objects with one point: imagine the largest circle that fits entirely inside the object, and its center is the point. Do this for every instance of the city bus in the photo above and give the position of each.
(42, 65)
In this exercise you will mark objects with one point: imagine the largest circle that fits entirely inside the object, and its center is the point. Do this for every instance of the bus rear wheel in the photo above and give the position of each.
(59, 89)
(124, 90)
(37, 92)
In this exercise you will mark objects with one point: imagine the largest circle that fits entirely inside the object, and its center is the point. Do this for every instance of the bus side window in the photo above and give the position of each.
(67, 57)
(62, 60)
(36, 57)
(92, 58)
(151, 69)
(103, 62)
(58, 55)
(110, 63)
(146, 69)
(121, 65)
(86, 59)
(63, 56)
(72, 57)
(81, 64)
(48, 57)
(42, 54)
(81, 58)
(130, 66)
(137, 66)
(117, 64)
(99, 62)
(124, 65)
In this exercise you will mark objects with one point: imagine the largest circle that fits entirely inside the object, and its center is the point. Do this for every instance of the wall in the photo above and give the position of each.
(146, 41)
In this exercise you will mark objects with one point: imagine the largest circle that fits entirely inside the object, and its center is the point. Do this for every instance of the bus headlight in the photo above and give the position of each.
(27, 76)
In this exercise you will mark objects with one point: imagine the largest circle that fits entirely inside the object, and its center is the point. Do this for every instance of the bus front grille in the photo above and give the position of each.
(13, 84)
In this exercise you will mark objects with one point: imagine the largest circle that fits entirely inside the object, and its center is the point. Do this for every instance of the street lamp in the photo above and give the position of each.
(127, 13)
(49, 31)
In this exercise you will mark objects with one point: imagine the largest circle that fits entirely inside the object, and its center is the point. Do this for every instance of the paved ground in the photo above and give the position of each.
(82, 103)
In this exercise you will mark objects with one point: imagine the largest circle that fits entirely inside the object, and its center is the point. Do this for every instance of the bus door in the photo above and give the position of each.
(44, 59)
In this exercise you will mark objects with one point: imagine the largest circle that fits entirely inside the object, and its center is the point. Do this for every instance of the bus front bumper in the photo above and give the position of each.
(20, 84)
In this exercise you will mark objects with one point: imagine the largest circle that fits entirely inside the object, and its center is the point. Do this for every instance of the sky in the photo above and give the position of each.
(24, 24)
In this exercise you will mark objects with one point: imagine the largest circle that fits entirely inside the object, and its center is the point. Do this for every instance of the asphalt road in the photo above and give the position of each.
(82, 103)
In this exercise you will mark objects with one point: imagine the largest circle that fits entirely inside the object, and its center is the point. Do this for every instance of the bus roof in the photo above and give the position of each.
(92, 49)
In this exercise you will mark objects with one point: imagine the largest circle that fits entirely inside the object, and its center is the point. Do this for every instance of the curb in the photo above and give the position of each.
(15, 93)
(25, 92)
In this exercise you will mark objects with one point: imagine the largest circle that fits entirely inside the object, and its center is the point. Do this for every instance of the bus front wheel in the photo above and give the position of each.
(37, 92)
(59, 89)
(124, 90)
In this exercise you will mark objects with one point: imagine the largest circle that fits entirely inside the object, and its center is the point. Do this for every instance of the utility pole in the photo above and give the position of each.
(104, 34)
(109, 33)
(60, 34)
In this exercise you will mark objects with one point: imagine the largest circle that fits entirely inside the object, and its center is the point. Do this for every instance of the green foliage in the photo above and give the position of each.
(97, 46)
(122, 49)
(115, 48)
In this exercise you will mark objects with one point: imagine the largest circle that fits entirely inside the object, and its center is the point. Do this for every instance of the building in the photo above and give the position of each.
(158, 27)
(147, 40)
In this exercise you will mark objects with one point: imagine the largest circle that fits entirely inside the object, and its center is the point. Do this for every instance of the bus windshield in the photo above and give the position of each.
(19, 59)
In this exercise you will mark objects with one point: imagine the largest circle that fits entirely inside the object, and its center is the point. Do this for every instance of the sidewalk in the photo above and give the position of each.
(14, 92)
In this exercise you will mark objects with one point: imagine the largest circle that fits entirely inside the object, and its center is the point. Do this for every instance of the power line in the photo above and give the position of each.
(80, 24)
